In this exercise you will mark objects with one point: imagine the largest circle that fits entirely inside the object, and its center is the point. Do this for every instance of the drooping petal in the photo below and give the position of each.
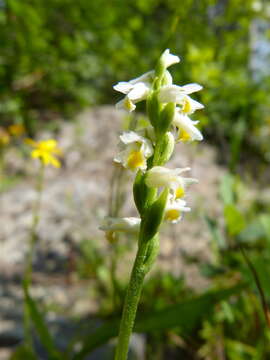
(139, 92)
(171, 93)
(160, 176)
(187, 130)
(191, 88)
(175, 93)
(189, 106)
(146, 78)
(126, 224)
(124, 87)
(130, 136)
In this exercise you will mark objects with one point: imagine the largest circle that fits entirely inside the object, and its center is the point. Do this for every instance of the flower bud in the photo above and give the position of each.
(165, 149)
(153, 109)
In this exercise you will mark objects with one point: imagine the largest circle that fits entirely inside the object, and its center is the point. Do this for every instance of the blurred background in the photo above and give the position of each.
(207, 297)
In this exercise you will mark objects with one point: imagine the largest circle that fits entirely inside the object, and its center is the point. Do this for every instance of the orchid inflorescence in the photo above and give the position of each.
(158, 191)
(169, 107)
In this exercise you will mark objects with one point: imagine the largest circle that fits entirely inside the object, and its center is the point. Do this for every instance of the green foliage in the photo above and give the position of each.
(23, 352)
(67, 54)
(41, 327)
(185, 315)
(241, 249)
(234, 220)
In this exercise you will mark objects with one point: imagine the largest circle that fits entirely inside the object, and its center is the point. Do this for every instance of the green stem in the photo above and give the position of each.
(131, 301)
(157, 154)
(27, 280)
(146, 255)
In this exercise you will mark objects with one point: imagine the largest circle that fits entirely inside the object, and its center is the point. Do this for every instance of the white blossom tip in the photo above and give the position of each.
(169, 59)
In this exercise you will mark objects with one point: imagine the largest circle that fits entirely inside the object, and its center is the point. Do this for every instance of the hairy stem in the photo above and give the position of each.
(131, 300)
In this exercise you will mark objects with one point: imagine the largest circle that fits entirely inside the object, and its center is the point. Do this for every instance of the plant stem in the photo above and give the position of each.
(131, 301)
(27, 280)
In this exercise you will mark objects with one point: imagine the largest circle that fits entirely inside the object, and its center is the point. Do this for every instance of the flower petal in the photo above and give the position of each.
(169, 59)
(124, 87)
(191, 88)
(139, 92)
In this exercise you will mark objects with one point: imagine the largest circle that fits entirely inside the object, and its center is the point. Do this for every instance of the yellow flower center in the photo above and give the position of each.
(172, 214)
(135, 160)
(179, 192)
(184, 136)
(110, 236)
(186, 106)
(128, 105)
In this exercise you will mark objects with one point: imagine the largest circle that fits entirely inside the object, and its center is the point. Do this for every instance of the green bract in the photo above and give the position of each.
(154, 216)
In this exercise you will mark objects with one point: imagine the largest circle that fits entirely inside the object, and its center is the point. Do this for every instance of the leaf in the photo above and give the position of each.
(185, 316)
(265, 221)
(23, 352)
(262, 266)
(234, 219)
(216, 234)
(252, 233)
(40, 326)
(226, 189)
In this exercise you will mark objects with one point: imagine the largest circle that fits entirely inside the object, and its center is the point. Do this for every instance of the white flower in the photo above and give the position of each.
(174, 210)
(176, 94)
(168, 59)
(189, 106)
(127, 224)
(135, 90)
(135, 150)
(186, 129)
(160, 176)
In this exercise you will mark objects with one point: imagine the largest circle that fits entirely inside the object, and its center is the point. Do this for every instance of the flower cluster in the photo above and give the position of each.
(169, 108)
(46, 151)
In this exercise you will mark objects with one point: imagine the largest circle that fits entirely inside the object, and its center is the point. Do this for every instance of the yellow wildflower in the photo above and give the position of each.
(45, 150)
(4, 137)
(16, 129)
